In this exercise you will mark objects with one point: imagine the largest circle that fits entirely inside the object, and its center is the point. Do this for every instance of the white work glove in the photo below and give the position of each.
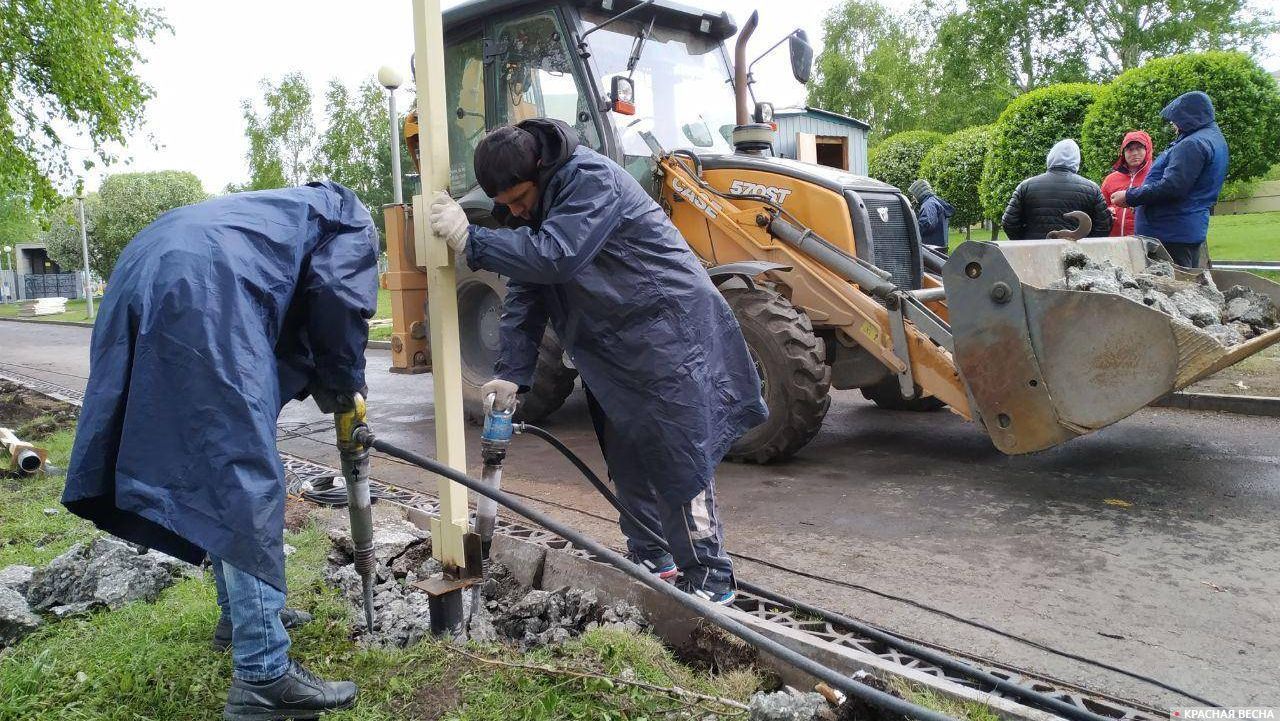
(504, 394)
(449, 221)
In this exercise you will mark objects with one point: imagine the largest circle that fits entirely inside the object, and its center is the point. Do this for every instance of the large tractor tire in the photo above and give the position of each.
(480, 295)
(887, 394)
(794, 377)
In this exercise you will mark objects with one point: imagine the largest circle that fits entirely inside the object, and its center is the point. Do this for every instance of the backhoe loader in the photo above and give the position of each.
(823, 269)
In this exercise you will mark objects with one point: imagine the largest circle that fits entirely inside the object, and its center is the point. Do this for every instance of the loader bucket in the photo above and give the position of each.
(1043, 366)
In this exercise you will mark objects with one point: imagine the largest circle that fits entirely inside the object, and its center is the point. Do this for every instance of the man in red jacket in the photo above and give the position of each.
(1128, 172)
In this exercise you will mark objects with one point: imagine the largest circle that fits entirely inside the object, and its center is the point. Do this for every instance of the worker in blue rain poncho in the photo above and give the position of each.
(670, 382)
(215, 316)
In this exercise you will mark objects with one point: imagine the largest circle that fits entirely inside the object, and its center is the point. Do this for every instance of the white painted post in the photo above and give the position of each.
(442, 298)
(84, 245)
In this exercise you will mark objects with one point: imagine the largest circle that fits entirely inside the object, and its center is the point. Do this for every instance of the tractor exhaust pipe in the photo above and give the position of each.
(740, 68)
(748, 137)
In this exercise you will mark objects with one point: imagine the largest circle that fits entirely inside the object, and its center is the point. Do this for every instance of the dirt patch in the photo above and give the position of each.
(297, 513)
(1257, 375)
(31, 415)
(438, 698)
(714, 649)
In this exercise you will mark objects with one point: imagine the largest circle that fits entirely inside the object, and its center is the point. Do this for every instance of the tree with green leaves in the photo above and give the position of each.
(1120, 36)
(355, 147)
(954, 168)
(281, 134)
(1031, 41)
(18, 223)
(62, 239)
(896, 159)
(122, 207)
(1025, 132)
(1246, 100)
(874, 66)
(70, 69)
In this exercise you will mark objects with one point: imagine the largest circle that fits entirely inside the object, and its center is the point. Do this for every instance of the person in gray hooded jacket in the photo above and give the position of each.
(1039, 203)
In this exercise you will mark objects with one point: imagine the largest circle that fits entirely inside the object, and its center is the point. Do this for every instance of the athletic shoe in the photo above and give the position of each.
(298, 694)
(720, 598)
(664, 567)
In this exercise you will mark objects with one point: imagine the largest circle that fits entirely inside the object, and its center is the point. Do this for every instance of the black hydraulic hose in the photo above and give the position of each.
(923, 653)
(710, 611)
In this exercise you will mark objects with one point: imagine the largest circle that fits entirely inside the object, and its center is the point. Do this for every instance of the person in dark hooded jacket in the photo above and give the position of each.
(933, 216)
(1129, 170)
(1184, 182)
(670, 382)
(1039, 203)
(216, 315)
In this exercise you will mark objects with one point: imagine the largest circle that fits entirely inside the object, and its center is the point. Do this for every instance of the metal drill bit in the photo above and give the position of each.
(368, 602)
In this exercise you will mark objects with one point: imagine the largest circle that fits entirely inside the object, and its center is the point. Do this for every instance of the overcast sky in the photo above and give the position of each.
(218, 52)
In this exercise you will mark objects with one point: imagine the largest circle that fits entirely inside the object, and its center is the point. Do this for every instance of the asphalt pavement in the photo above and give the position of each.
(1151, 545)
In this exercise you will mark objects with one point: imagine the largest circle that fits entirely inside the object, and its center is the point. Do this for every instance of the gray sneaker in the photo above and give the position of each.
(298, 694)
(290, 617)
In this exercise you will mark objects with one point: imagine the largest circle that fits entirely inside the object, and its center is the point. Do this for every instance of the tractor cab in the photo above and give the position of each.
(623, 73)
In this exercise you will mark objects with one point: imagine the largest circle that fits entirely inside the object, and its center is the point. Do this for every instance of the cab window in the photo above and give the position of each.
(535, 77)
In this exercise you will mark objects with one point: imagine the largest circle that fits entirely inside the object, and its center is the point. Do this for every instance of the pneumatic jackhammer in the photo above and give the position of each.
(350, 422)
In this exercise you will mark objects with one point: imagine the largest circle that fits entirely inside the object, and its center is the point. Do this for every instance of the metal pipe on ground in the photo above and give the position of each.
(714, 614)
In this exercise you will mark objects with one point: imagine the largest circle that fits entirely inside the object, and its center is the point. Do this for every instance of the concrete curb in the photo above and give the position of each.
(380, 344)
(49, 322)
(549, 569)
(1243, 405)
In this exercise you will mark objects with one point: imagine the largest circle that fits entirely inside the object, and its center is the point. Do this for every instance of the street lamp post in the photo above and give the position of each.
(391, 79)
(84, 245)
(6, 287)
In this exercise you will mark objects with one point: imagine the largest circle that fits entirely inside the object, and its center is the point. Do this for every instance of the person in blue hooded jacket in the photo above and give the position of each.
(934, 215)
(670, 382)
(215, 316)
(1184, 181)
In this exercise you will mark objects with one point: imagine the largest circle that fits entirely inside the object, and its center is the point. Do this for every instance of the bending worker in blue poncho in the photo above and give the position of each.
(669, 381)
(216, 315)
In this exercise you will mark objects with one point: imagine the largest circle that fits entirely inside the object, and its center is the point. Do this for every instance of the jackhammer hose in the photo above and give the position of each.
(711, 612)
(923, 653)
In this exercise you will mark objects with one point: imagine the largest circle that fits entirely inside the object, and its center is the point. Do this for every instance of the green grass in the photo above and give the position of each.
(1254, 236)
(151, 661)
(76, 311)
(970, 710)
(27, 535)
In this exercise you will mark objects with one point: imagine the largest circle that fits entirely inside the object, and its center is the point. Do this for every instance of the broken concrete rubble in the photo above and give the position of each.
(788, 706)
(17, 577)
(1229, 318)
(104, 572)
(507, 611)
(16, 618)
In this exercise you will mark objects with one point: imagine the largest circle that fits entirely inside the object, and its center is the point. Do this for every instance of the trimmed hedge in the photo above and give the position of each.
(896, 159)
(954, 168)
(1025, 132)
(1245, 98)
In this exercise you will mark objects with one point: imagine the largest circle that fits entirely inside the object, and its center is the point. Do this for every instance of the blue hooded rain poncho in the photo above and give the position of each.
(216, 315)
(650, 335)
(1184, 181)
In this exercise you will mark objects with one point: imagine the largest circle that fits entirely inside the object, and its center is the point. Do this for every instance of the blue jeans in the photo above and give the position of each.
(260, 645)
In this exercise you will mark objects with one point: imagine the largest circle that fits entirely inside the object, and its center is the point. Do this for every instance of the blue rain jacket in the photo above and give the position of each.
(934, 214)
(647, 330)
(216, 315)
(1173, 202)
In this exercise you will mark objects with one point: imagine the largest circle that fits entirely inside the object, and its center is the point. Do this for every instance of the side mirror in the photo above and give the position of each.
(763, 114)
(622, 96)
(801, 56)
